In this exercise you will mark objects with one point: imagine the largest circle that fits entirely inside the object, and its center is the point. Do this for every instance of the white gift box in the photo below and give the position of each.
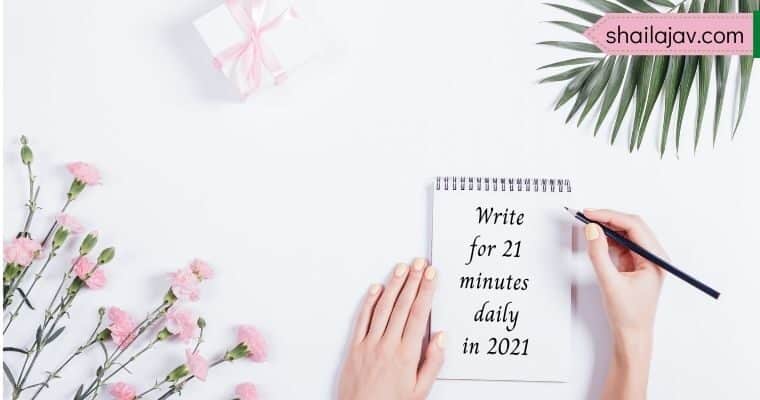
(285, 39)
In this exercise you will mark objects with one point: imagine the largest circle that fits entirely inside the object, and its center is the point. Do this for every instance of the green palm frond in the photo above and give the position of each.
(639, 83)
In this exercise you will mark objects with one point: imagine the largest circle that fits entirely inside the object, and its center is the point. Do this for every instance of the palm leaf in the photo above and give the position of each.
(613, 88)
(722, 68)
(563, 76)
(673, 78)
(634, 69)
(597, 87)
(584, 92)
(659, 71)
(573, 88)
(642, 87)
(606, 6)
(664, 3)
(584, 15)
(578, 28)
(578, 46)
(745, 68)
(639, 5)
(572, 61)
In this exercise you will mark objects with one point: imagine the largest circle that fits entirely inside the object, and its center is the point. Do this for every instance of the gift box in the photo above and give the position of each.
(256, 43)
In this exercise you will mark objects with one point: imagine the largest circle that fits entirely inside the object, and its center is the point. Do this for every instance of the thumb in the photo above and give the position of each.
(599, 253)
(432, 364)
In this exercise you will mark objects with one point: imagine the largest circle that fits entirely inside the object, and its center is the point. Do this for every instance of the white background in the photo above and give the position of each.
(309, 192)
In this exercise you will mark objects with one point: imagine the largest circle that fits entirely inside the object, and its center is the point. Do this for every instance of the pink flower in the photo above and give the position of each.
(122, 327)
(69, 223)
(201, 269)
(246, 391)
(257, 350)
(122, 391)
(197, 365)
(21, 251)
(181, 322)
(185, 285)
(84, 172)
(84, 267)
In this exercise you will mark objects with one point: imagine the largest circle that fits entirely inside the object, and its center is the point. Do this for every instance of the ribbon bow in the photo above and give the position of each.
(251, 53)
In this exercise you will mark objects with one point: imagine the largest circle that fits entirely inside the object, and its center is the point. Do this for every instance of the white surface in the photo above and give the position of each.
(308, 193)
(536, 314)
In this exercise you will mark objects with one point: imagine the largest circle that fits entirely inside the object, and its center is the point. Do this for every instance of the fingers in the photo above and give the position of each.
(431, 366)
(416, 324)
(362, 321)
(384, 306)
(405, 300)
(633, 226)
(598, 252)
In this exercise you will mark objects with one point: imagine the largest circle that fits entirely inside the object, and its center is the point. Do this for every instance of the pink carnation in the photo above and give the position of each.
(84, 267)
(201, 269)
(84, 172)
(197, 365)
(185, 285)
(257, 349)
(69, 223)
(181, 322)
(246, 391)
(122, 391)
(122, 327)
(21, 251)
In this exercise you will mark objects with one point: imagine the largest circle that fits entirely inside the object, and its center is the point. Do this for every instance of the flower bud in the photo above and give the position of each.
(237, 352)
(101, 311)
(201, 323)
(178, 373)
(76, 187)
(104, 335)
(88, 243)
(60, 236)
(26, 152)
(163, 334)
(106, 255)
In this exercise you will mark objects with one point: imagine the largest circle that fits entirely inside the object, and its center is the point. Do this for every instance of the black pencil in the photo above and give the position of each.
(623, 241)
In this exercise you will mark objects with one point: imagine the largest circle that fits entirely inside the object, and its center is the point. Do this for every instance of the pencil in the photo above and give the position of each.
(625, 242)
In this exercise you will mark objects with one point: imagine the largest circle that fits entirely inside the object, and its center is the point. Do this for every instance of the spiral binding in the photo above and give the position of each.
(485, 184)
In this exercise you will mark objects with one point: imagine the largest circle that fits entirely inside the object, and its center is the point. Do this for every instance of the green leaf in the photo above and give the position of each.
(9, 374)
(54, 335)
(15, 350)
(572, 61)
(659, 72)
(584, 15)
(38, 336)
(606, 6)
(572, 88)
(642, 87)
(639, 5)
(584, 92)
(675, 70)
(577, 46)
(687, 80)
(563, 76)
(78, 395)
(634, 69)
(722, 68)
(613, 88)
(664, 3)
(745, 68)
(26, 299)
(705, 69)
(597, 87)
(578, 28)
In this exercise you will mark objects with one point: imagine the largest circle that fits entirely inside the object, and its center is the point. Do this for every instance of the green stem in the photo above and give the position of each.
(55, 223)
(175, 388)
(37, 277)
(32, 204)
(152, 389)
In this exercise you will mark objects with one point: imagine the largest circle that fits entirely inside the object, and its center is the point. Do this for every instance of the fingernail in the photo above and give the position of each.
(374, 289)
(401, 270)
(418, 264)
(440, 340)
(430, 273)
(592, 232)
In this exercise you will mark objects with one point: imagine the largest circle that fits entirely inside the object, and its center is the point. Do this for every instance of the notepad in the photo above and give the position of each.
(502, 249)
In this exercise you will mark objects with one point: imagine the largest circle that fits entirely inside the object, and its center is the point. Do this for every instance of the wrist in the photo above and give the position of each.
(633, 349)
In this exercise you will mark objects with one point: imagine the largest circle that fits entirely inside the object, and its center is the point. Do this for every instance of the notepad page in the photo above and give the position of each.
(503, 295)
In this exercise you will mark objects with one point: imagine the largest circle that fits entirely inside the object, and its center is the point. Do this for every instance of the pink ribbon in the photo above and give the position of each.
(251, 54)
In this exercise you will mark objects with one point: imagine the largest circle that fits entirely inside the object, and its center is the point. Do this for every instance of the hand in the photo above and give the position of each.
(630, 289)
(383, 362)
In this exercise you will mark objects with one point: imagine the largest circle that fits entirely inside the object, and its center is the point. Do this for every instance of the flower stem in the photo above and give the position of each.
(37, 277)
(177, 387)
(55, 223)
(152, 389)
(32, 204)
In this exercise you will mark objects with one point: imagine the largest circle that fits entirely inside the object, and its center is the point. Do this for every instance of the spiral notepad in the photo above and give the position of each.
(502, 248)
